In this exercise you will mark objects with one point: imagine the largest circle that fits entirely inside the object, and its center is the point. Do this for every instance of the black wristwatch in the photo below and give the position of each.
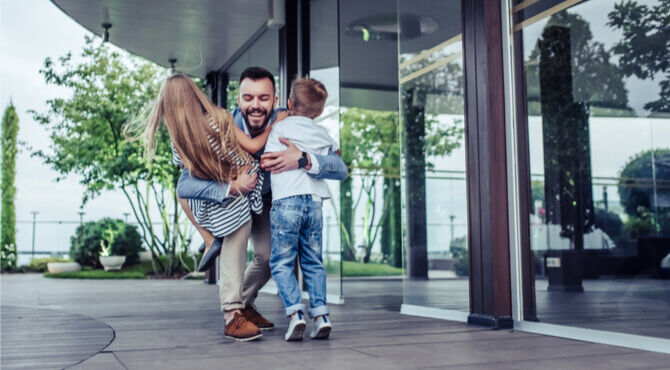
(302, 162)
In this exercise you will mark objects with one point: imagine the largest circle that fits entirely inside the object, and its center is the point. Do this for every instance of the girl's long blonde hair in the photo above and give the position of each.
(187, 112)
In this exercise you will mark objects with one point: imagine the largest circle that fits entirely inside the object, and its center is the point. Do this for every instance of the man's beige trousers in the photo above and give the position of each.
(236, 287)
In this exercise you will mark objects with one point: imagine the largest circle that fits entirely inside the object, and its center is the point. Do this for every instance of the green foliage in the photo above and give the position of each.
(40, 264)
(644, 178)
(347, 213)
(97, 274)
(595, 79)
(459, 250)
(640, 225)
(358, 269)
(137, 271)
(232, 93)
(644, 49)
(610, 223)
(371, 148)
(537, 194)
(85, 245)
(639, 181)
(109, 90)
(10, 129)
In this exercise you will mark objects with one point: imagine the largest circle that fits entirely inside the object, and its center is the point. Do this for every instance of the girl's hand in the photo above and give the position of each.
(244, 183)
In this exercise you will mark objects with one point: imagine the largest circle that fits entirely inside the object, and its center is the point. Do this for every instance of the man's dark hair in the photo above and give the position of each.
(258, 73)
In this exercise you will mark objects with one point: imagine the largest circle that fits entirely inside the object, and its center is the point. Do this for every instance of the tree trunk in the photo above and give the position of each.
(347, 238)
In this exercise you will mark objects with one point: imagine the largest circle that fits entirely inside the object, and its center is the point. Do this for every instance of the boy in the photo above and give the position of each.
(296, 220)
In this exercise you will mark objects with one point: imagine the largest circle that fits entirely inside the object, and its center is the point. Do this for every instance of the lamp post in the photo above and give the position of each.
(451, 219)
(125, 216)
(81, 217)
(34, 213)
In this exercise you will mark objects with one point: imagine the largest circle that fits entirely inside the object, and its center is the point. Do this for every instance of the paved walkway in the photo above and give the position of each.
(160, 324)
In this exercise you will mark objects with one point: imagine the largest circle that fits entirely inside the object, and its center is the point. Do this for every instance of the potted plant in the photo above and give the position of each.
(108, 261)
(58, 265)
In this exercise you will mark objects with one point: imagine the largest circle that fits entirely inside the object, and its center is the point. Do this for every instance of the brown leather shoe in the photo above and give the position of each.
(241, 329)
(258, 319)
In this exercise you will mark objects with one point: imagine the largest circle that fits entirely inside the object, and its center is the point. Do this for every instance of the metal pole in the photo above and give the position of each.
(81, 217)
(34, 213)
(451, 218)
(125, 216)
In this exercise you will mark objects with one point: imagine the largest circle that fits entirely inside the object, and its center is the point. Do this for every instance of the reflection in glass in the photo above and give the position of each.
(324, 67)
(598, 86)
(433, 159)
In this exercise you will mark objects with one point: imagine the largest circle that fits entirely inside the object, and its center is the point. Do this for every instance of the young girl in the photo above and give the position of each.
(206, 141)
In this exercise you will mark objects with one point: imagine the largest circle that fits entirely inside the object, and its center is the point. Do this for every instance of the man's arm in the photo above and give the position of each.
(330, 166)
(191, 187)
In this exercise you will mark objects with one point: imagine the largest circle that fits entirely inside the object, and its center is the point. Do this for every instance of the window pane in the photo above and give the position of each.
(598, 96)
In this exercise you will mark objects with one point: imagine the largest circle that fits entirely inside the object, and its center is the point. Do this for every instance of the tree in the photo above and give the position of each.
(565, 134)
(595, 79)
(110, 89)
(644, 190)
(370, 145)
(10, 129)
(644, 49)
(347, 210)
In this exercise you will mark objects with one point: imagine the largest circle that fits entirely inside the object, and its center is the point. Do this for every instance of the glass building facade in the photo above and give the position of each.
(509, 160)
(589, 99)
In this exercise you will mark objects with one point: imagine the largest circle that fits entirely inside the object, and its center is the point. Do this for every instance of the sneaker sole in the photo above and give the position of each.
(323, 333)
(297, 333)
(268, 328)
(245, 339)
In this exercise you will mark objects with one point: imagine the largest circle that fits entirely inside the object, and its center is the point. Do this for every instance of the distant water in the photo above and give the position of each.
(24, 259)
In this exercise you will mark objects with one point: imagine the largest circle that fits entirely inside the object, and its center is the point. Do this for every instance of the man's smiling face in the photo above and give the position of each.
(256, 101)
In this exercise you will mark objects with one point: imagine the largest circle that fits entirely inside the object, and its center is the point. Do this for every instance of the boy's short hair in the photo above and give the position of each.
(308, 97)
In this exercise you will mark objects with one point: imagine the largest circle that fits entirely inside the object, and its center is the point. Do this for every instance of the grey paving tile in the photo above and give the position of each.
(177, 324)
(101, 361)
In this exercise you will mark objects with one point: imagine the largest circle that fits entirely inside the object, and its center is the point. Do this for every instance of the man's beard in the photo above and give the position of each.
(252, 129)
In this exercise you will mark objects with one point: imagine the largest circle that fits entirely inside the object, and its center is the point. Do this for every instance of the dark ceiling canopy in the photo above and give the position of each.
(202, 35)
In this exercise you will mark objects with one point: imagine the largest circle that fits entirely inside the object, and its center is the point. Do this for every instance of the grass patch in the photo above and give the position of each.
(97, 274)
(358, 269)
(137, 271)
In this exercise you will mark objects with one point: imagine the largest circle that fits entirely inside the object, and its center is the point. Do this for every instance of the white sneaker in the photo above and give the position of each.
(296, 328)
(321, 328)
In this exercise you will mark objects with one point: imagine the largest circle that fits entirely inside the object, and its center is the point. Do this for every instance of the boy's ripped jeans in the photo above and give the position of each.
(296, 225)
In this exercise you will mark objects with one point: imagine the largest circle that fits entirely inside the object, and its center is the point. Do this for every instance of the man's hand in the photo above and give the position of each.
(285, 160)
(244, 183)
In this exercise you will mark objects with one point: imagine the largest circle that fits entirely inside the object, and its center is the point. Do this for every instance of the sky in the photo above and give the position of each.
(30, 31)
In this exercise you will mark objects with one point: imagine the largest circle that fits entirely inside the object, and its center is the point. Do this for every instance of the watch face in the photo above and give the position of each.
(302, 162)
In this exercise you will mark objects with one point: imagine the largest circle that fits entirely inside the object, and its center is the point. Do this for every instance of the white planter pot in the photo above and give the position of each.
(112, 262)
(145, 256)
(58, 267)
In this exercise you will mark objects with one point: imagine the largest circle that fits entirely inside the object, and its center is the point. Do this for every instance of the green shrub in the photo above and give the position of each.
(85, 244)
(459, 249)
(638, 177)
(40, 264)
(10, 129)
(610, 223)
